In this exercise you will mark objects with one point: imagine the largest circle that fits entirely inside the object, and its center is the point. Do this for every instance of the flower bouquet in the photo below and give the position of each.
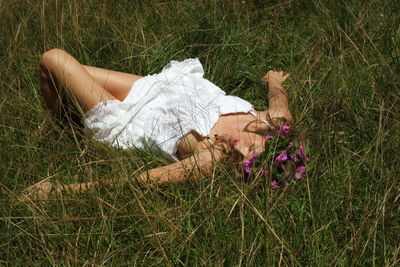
(283, 160)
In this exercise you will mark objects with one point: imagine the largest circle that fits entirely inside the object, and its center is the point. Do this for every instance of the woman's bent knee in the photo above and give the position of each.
(53, 58)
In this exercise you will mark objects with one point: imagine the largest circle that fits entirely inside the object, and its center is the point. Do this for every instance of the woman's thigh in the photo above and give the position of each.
(116, 83)
(64, 70)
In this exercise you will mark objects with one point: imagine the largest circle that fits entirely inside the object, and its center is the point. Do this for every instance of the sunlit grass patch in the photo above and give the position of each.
(344, 61)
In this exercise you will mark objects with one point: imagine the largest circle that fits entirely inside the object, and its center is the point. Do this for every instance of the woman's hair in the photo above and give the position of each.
(282, 160)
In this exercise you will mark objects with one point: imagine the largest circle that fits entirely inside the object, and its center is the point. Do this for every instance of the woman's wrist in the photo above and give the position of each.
(77, 187)
(275, 86)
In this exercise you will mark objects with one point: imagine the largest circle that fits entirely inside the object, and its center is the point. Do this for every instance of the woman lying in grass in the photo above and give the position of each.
(176, 112)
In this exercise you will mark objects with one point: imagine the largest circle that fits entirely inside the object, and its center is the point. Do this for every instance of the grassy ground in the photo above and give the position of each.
(344, 57)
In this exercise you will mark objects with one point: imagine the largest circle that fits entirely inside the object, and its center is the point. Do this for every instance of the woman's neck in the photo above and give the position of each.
(234, 124)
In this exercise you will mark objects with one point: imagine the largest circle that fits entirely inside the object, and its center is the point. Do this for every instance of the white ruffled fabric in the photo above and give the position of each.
(161, 108)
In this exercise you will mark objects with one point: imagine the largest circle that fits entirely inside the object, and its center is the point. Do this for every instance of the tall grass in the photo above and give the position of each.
(344, 58)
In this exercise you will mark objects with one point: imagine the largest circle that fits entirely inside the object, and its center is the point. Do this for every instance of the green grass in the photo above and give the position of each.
(344, 57)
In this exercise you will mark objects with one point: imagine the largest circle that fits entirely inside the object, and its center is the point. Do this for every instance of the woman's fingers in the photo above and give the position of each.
(265, 78)
(285, 76)
(275, 76)
(40, 191)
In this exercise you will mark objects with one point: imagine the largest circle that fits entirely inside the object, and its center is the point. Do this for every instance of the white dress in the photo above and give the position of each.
(161, 108)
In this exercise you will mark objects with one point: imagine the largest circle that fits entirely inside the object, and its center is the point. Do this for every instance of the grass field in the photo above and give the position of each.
(344, 57)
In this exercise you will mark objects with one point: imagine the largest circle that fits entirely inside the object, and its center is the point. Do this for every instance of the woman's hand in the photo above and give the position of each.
(40, 191)
(275, 77)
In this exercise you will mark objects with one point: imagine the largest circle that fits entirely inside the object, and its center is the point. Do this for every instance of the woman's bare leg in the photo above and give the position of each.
(62, 77)
(116, 83)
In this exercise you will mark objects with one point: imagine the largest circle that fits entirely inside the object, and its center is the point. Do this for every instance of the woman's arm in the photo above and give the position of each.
(278, 105)
(192, 167)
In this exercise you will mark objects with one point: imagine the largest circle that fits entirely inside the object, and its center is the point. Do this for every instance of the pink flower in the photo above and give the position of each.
(255, 154)
(284, 130)
(294, 157)
(274, 184)
(302, 154)
(267, 137)
(282, 157)
(247, 166)
(248, 169)
(247, 161)
(300, 172)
